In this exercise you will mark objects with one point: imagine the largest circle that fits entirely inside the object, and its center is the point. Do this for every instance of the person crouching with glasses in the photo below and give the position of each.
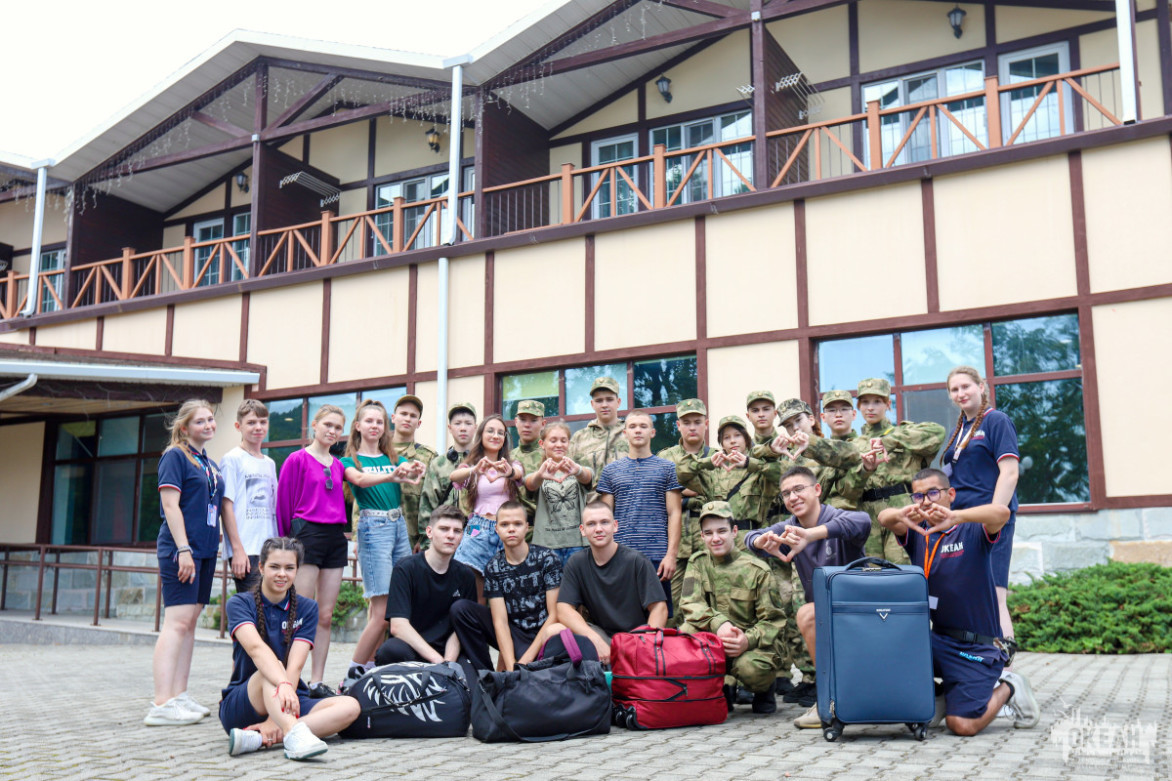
(815, 535)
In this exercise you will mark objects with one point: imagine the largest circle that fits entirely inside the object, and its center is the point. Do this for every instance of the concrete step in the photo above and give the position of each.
(19, 627)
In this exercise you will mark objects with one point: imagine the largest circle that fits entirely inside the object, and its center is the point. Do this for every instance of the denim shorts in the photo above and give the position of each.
(382, 543)
(565, 553)
(480, 543)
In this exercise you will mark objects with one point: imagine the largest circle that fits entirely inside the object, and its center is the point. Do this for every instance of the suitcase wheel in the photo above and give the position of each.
(919, 731)
(632, 719)
(832, 731)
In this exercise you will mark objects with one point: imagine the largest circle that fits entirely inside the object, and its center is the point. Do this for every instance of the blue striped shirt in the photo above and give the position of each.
(639, 487)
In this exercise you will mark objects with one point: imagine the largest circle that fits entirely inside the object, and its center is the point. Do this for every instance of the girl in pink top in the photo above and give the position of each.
(488, 479)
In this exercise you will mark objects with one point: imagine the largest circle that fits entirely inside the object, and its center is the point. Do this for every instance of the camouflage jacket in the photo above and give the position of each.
(714, 483)
(841, 487)
(413, 451)
(910, 448)
(530, 456)
(596, 446)
(692, 504)
(437, 487)
(739, 589)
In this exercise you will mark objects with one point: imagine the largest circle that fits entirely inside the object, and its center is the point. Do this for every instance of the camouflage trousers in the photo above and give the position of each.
(690, 542)
(755, 669)
(881, 542)
(790, 645)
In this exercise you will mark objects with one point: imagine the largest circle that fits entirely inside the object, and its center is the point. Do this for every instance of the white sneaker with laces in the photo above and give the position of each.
(170, 714)
(809, 720)
(188, 702)
(1023, 704)
(300, 743)
(244, 741)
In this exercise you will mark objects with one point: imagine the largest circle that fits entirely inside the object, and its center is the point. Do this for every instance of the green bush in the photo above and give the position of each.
(349, 597)
(1107, 609)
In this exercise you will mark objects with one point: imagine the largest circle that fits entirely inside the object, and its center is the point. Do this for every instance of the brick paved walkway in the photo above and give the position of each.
(74, 712)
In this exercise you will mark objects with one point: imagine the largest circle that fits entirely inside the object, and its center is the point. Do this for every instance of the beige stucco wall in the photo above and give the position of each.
(80, 335)
(14, 337)
(401, 146)
(865, 254)
(173, 236)
(139, 332)
(20, 480)
(460, 389)
(835, 103)
(284, 334)
(368, 325)
(1127, 226)
(748, 252)
(352, 202)
(637, 299)
(997, 249)
(1102, 48)
(895, 32)
(568, 153)
(710, 78)
(734, 371)
(211, 328)
(818, 43)
(16, 224)
(240, 198)
(341, 151)
(227, 437)
(293, 147)
(465, 314)
(1014, 23)
(1127, 336)
(212, 201)
(549, 279)
(621, 112)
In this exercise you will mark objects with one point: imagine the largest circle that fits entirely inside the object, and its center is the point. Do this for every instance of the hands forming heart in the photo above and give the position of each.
(781, 444)
(718, 458)
(494, 470)
(558, 469)
(410, 472)
(730, 460)
(878, 449)
(802, 440)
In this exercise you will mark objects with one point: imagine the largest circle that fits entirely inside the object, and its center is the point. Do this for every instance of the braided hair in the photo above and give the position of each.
(975, 376)
(270, 545)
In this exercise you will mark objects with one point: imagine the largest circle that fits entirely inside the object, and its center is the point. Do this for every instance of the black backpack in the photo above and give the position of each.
(411, 700)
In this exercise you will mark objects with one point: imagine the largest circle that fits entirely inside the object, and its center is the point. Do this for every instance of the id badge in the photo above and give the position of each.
(932, 602)
(213, 515)
(947, 470)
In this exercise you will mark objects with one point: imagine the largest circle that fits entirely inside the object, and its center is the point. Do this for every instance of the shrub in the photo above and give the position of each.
(349, 598)
(1111, 608)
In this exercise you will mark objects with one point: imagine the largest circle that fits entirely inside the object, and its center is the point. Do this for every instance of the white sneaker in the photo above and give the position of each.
(941, 712)
(300, 743)
(170, 714)
(244, 741)
(809, 720)
(1023, 705)
(188, 702)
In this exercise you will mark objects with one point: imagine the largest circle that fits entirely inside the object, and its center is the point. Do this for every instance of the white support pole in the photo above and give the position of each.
(34, 282)
(1125, 32)
(455, 136)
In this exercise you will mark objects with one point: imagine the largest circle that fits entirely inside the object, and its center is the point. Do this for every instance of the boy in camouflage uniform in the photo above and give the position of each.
(530, 417)
(602, 441)
(730, 593)
(731, 475)
(437, 485)
(406, 419)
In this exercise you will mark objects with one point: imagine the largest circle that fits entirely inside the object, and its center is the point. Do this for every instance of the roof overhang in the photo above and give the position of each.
(108, 372)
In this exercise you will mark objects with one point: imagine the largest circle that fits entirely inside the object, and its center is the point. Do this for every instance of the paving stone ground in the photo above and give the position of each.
(75, 712)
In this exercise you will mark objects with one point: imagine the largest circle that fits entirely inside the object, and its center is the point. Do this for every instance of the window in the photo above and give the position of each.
(1015, 104)
(906, 90)
(207, 230)
(1034, 371)
(53, 260)
(656, 385)
(241, 226)
(290, 419)
(700, 133)
(421, 188)
(609, 151)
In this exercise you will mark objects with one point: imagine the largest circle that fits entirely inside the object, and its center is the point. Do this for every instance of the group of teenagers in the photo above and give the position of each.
(488, 545)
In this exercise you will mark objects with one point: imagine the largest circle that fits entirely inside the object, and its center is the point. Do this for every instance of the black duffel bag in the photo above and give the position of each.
(549, 699)
(411, 700)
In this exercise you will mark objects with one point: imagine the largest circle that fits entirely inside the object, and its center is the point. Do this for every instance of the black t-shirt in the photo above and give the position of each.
(523, 586)
(618, 594)
(423, 596)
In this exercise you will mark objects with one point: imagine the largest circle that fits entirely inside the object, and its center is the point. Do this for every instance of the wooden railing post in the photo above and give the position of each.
(397, 224)
(10, 295)
(874, 135)
(188, 262)
(327, 240)
(567, 193)
(660, 173)
(126, 274)
(993, 111)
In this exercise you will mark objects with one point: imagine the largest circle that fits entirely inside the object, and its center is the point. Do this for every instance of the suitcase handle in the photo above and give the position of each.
(871, 561)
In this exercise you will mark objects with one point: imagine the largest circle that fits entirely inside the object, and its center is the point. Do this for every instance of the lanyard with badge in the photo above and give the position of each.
(929, 557)
(947, 466)
(211, 476)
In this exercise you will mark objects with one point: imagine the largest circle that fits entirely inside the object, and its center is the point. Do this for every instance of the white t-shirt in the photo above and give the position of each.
(251, 484)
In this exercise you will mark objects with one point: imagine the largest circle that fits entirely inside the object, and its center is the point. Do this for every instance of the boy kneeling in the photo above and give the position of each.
(732, 595)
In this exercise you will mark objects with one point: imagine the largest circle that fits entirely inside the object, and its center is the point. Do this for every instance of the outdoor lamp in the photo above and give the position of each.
(956, 19)
(242, 182)
(432, 139)
(663, 83)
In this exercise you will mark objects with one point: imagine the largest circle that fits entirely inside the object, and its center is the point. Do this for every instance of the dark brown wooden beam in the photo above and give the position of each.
(1102, 6)
(219, 124)
(573, 35)
(701, 7)
(315, 92)
(357, 73)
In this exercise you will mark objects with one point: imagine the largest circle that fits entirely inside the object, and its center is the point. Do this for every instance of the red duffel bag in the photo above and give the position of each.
(662, 678)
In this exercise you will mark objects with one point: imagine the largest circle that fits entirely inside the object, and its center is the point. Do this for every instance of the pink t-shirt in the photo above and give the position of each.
(490, 494)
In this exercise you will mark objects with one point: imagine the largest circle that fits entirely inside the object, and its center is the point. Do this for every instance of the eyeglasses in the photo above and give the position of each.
(932, 494)
(329, 478)
(797, 490)
(836, 411)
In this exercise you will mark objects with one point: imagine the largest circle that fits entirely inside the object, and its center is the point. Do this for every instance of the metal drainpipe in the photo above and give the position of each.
(19, 387)
(34, 288)
(456, 135)
(1124, 31)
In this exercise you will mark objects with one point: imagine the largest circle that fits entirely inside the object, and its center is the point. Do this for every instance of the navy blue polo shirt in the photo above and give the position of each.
(960, 581)
(974, 474)
(201, 485)
(242, 610)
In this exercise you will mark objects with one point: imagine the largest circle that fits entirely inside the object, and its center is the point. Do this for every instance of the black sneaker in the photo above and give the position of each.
(804, 694)
(783, 686)
(744, 696)
(319, 691)
(730, 697)
(765, 702)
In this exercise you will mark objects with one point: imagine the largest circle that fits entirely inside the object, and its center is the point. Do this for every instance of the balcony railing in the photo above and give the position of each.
(996, 116)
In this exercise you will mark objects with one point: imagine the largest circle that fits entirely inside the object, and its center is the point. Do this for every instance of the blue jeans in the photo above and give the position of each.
(382, 542)
(565, 553)
(480, 543)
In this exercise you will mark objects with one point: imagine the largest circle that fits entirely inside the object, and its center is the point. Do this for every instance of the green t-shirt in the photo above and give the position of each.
(384, 496)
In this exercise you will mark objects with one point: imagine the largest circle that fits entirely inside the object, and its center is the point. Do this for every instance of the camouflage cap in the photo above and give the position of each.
(461, 406)
(691, 407)
(531, 407)
(757, 395)
(605, 383)
(409, 399)
(876, 386)
(791, 408)
(830, 397)
(732, 420)
(718, 509)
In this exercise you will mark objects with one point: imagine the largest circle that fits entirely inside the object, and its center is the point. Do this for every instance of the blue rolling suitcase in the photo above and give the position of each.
(873, 652)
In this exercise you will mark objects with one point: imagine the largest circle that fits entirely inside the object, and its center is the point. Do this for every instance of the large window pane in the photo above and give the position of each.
(928, 356)
(114, 502)
(664, 382)
(155, 436)
(77, 440)
(843, 362)
(1039, 344)
(930, 405)
(666, 433)
(388, 397)
(347, 402)
(540, 386)
(285, 419)
(579, 380)
(1051, 437)
(279, 454)
(118, 437)
(149, 519)
(71, 503)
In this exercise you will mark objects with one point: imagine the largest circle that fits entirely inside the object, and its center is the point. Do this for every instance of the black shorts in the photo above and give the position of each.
(325, 543)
